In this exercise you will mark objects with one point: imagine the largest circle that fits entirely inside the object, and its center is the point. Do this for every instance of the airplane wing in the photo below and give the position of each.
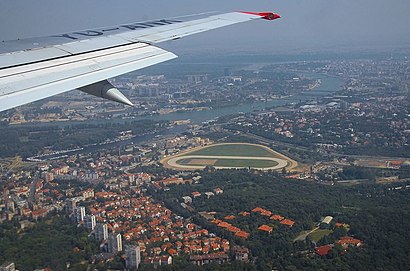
(37, 68)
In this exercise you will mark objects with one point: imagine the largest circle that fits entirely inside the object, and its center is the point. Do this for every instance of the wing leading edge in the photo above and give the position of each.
(43, 67)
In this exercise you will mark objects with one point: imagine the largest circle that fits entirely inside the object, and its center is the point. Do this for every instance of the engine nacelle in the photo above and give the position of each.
(105, 90)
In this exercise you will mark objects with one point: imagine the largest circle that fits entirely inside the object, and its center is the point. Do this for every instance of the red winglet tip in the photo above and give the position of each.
(265, 15)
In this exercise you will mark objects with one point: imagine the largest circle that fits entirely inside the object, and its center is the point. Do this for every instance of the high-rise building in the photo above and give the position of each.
(101, 231)
(133, 257)
(79, 213)
(131, 179)
(114, 243)
(90, 222)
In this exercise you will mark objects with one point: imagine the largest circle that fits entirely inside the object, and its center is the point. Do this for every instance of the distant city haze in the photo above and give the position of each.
(306, 25)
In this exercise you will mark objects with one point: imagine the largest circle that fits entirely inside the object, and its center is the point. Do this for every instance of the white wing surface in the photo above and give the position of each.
(38, 68)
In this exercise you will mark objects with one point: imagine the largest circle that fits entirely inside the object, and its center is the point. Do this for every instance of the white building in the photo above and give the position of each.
(79, 213)
(114, 243)
(327, 219)
(7, 267)
(101, 232)
(187, 199)
(90, 222)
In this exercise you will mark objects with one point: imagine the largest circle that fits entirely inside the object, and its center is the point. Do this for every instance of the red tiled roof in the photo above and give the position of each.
(242, 234)
(266, 213)
(224, 224)
(262, 211)
(216, 221)
(233, 229)
(347, 240)
(323, 250)
(287, 222)
(257, 209)
(244, 213)
(277, 217)
(265, 228)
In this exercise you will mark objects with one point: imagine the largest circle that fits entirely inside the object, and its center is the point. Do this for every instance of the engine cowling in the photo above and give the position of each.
(106, 90)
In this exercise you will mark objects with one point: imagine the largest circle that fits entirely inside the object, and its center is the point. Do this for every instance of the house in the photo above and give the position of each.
(287, 222)
(327, 219)
(266, 213)
(216, 221)
(242, 234)
(277, 217)
(209, 194)
(349, 241)
(7, 266)
(187, 199)
(87, 194)
(323, 250)
(233, 229)
(241, 253)
(196, 194)
(244, 213)
(171, 181)
(218, 191)
(224, 224)
(262, 211)
(339, 225)
(200, 260)
(257, 209)
(39, 213)
(265, 228)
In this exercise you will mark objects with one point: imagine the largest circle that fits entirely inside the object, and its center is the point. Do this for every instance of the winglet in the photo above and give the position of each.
(264, 15)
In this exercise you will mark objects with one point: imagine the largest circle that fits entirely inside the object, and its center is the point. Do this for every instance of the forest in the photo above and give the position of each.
(29, 140)
(376, 214)
(56, 243)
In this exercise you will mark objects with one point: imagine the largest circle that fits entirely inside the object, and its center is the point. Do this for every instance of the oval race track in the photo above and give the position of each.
(173, 161)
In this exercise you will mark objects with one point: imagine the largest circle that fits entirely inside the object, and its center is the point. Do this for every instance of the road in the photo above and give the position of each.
(303, 236)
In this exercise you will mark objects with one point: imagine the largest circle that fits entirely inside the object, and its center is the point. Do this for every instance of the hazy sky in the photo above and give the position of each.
(305, 24)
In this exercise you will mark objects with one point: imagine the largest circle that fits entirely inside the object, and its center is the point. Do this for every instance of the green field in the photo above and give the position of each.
(317, 235)
(245, 163)
(232, 163)
(234, 150)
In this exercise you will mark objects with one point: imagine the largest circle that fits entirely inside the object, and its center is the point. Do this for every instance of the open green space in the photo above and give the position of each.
(230, 163)
(187, 161)
(234, 150)
(245, 163)
(319, 234)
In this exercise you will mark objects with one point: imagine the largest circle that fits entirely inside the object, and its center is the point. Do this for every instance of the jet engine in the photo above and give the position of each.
(106, 90)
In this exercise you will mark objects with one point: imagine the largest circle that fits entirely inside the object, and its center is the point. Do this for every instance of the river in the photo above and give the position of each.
(328, 86)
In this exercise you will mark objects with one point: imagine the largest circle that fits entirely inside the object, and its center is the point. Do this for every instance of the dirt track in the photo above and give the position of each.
(282, 160)
(173, 161)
